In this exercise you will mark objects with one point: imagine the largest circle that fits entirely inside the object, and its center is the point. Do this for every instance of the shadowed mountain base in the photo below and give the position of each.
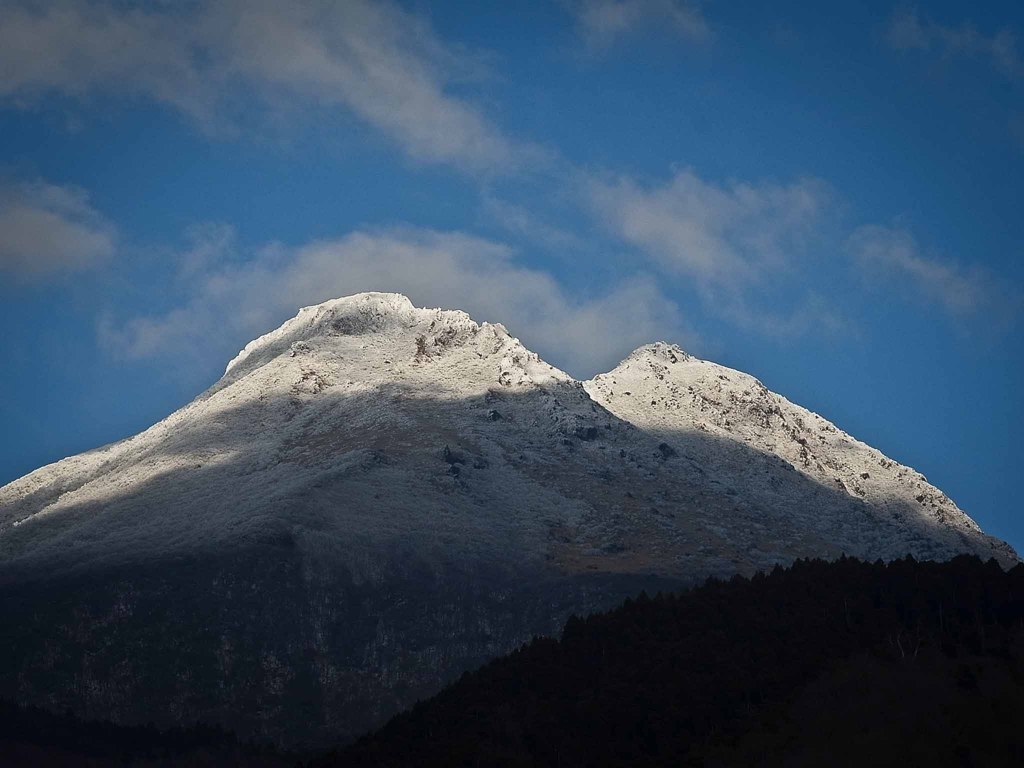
(258, 644)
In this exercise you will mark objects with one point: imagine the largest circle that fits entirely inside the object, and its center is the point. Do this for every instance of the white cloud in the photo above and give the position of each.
(602, 23)
(747, 248)
(233, 303)
(46, 229)
(209, 246)
(370, 58)
(885, 254)
(721, 236)
(908, 31)
(76, 48)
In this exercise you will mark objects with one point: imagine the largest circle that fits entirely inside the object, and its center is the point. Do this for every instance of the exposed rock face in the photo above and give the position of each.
(375, 497)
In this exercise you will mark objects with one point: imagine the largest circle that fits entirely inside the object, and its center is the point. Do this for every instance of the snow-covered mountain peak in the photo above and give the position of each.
(369, 330)
(664, 391)
(356, 314)
(658, 352)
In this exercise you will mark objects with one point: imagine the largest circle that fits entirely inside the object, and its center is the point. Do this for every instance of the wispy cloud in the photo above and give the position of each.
(232, 302)
(372, 59)
(602, 23)
(47, 229)
(812, 314)
(741, 245)
(887, 254)
(210, 245)
(719, 235)
(907, 30)
(523, 222)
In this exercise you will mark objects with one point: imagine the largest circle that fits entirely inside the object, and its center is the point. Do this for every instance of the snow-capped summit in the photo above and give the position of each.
(658, 350)
(365, 315)
(375, 497)
(361, 313)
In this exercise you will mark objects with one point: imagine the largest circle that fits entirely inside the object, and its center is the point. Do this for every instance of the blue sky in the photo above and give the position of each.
(828, 199)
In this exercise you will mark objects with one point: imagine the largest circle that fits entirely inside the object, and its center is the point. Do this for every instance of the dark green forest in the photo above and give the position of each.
(843, 663)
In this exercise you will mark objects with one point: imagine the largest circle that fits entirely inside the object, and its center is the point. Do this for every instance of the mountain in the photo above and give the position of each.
(376, 497)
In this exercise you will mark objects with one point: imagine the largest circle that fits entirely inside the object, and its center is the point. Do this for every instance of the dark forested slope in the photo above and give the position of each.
(844, 663)
(35, 738)
(839, 663)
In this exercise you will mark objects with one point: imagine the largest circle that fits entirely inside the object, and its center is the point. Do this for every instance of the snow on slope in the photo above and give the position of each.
(358, 403)
(331, 392)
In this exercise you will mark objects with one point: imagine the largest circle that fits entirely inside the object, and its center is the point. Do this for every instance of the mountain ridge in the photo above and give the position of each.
(370, 313)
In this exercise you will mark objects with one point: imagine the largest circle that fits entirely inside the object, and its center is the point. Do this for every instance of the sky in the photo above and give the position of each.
(826, 198)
